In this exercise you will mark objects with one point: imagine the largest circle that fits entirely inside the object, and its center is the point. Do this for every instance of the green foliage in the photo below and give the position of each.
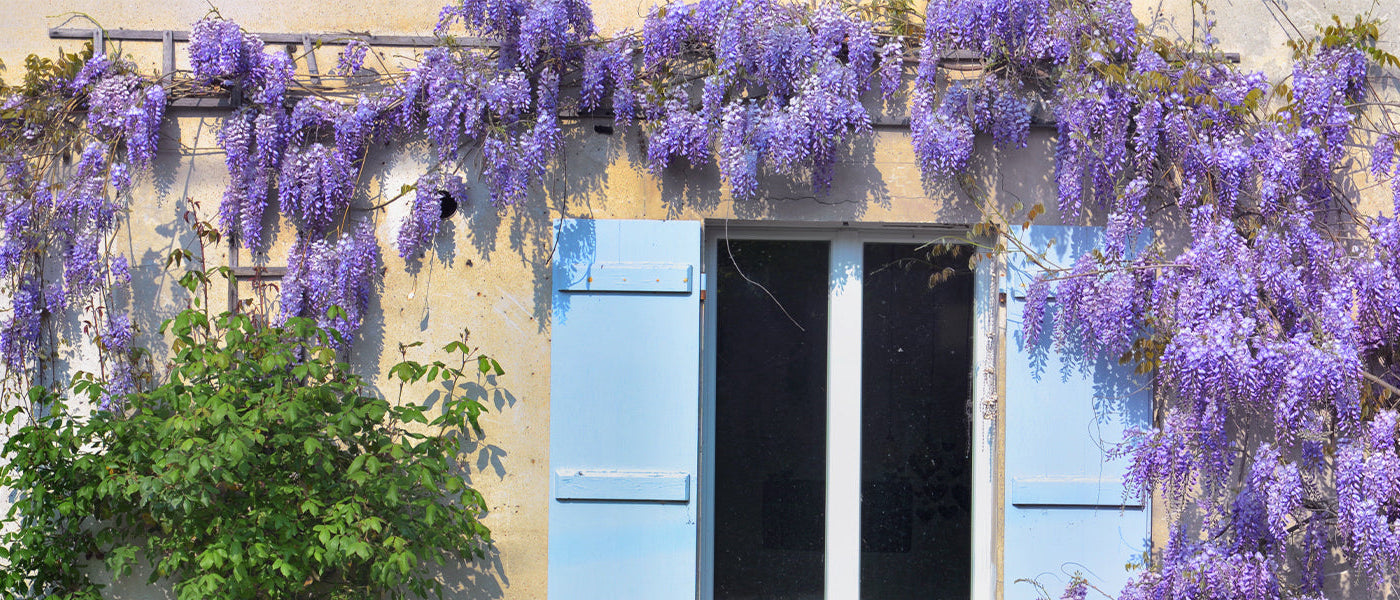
(901, 17)
(46, 537)
(260, 469)
(1362, 33)
(48, 117)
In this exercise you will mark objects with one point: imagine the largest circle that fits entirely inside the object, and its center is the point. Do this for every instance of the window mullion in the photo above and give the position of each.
(709, 339)
(843, 444)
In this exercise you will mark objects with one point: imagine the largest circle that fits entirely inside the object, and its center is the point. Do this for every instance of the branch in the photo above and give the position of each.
(1380, 382)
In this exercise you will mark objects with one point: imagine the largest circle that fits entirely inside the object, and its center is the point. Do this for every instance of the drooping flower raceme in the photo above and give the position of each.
(434, 194)
(340, 272)
(254, 137)
(59, 217)
(352, 58)
(1265, 322)
(813, 63)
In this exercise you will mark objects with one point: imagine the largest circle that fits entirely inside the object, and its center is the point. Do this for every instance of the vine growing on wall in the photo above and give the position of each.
(1279, 316)
(66, 178)
(1271, 335)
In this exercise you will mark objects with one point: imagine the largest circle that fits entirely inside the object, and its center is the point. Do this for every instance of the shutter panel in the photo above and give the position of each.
(1065, 511)
(624, 410)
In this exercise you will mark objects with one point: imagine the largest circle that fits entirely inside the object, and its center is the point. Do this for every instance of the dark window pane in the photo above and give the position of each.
(770, 419)
(916, 458)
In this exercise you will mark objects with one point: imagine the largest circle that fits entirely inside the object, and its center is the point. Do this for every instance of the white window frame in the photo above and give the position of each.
(843, 445)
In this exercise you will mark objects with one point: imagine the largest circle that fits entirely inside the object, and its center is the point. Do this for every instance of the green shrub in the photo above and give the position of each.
(261, 468)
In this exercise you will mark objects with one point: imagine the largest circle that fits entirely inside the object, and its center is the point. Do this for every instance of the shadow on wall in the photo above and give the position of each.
(576, 245)
(484, 578)
(529, 234)
(378, 167)
(166, 167)
(134, 586)
(155, 286)
(441, 258)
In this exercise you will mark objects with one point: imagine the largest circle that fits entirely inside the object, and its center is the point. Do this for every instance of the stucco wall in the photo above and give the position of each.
(490, 268)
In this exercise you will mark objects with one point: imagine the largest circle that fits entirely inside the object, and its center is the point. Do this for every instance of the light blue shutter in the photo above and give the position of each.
(1065, 510)
(624, 410)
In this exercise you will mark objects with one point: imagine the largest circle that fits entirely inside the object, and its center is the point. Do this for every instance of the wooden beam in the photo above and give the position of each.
(257, 272)
(156, 35)
(167, 53)
(397, 41)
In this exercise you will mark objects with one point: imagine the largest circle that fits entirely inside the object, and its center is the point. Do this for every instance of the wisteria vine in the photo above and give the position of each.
(1280, 317)
(66, 180)
(1272, 334)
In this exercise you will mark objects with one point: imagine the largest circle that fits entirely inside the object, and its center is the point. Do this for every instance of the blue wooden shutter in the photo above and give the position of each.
(624, 410)
(1065, 510)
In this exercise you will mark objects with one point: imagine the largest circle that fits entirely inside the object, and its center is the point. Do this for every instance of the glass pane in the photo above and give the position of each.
(770, 419)
(916, 465)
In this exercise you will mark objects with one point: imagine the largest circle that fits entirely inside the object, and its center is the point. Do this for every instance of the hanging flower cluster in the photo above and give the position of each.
(1270, 321)
(1022, 40)
(504, 100)
(436, 196)
(323, 273)
(943, 127)
(57, 218)
(783, 94)
(254, 138)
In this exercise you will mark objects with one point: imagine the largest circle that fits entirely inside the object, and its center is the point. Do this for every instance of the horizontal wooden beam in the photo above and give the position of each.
(159, 35)
(621, 486)
(256, 272)
(204, 102)
(627, 277)
(398, 41)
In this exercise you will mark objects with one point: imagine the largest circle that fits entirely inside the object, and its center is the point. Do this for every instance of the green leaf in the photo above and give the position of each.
(355, 465)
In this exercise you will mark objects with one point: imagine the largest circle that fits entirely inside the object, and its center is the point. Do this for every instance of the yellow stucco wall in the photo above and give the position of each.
(490, 269)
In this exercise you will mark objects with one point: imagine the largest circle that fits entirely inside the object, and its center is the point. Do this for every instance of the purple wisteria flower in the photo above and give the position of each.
(425, 214)
(342, 272)
(351, 59)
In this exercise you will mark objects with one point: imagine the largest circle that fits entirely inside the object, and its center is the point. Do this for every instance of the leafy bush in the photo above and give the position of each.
(262, 468)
